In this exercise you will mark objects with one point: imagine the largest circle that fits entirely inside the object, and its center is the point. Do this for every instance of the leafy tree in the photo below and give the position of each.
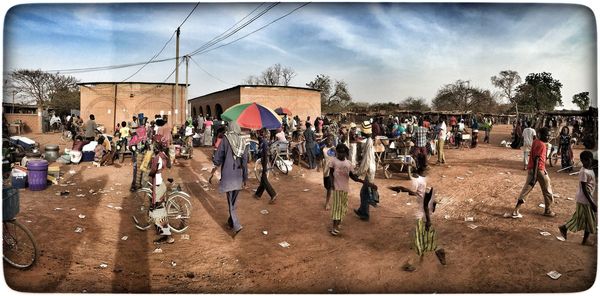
(539, 92)
(274, 75)
(507, 82)
(415, 104)
(462, 96)
(331, 93)
(42, 88)
(582, 100)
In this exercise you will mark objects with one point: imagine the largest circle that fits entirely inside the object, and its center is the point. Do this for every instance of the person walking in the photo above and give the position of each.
(586, 210)
(420, 149)
(353, 140)
(368, 164)
(536, 171)
(340, 171)
(528, 137)
(264, 178)
(564, 149)
(232, 157)
(158, 212)
(328, 156)
(440, 142)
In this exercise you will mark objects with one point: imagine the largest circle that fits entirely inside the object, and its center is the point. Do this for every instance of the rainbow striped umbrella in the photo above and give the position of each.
(252, 116)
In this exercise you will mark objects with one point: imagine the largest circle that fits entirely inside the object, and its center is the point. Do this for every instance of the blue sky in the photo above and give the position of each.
(384, 51)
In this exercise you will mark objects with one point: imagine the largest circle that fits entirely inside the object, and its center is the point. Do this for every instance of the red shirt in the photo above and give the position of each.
(452, 120)
(538, 148)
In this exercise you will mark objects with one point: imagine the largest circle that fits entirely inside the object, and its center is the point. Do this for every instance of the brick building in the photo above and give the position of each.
(114, 102)
(300, 101)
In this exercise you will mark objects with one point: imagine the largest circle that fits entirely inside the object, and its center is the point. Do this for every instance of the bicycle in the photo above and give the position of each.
(275, 161)
(18, 245)
(178, 207)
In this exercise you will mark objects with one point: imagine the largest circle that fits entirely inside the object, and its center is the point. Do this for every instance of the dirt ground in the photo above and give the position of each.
(499, 255)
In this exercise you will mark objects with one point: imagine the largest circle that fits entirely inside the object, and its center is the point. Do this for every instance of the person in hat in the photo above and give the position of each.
(232, 157)
(368, 164)
(264, 157)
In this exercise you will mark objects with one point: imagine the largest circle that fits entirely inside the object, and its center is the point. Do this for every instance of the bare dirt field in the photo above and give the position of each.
(499, 255)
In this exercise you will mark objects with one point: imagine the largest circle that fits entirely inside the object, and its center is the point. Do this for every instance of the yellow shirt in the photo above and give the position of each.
(124, 131)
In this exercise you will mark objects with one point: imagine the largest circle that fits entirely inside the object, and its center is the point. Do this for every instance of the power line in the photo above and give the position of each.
(275, 20)
(215, 77)
(151, 59)
(172, 72)
(186, 18)
(219, 39)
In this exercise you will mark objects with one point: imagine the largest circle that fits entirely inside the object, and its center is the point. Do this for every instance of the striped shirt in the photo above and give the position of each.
(420, 136)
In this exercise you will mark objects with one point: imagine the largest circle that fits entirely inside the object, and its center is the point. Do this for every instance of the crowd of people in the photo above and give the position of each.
(343, 151)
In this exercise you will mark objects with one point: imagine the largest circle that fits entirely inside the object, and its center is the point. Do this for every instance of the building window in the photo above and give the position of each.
(193, 111)
(208, 113)
(201, 111)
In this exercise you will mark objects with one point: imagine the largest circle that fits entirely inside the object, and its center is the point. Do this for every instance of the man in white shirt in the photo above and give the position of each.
(528, 137)
(440, 141)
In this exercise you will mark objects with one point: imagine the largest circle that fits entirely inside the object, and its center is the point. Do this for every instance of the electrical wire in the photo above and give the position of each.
(151, 59)
(275, 20)
(186, 18)
(215, 77)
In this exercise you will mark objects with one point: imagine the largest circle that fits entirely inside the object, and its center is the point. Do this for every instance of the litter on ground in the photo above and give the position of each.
(284, 244)
(554, 274)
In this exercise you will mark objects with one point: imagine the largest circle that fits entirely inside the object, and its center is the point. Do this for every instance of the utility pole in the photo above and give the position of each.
(187, 61)
(175, 116)
(13, 106)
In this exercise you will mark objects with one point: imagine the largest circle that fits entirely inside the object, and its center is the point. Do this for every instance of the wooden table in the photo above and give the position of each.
(18, 127)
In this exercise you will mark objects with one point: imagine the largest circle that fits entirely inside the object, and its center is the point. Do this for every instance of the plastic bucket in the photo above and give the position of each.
(38, 174)
(10, 203)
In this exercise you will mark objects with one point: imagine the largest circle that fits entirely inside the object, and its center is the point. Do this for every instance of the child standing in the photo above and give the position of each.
(424, 236)
(328, 155)
(340, 171)
(584, 217)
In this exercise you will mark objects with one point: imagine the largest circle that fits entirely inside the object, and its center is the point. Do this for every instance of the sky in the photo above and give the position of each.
(385, 52)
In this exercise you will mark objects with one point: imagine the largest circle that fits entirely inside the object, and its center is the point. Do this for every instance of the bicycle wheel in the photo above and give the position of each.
(179, 209)
(19, 247)
(281, 165)
(258, 169)
(141, 218)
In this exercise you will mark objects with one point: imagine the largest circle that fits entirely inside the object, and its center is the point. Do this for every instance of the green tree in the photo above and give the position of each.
(582, 100)
(460, 95)
(414, 104)
(539, 92)
(507, 81)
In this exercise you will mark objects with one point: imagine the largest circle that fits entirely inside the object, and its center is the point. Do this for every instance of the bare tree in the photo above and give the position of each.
(415, 104)
(340, 96)
(507, 82)
(461, 96)
(274, 75)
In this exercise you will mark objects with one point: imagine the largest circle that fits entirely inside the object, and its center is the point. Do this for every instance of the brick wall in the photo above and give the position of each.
(301, 101)
(31, 122)
(131, 99)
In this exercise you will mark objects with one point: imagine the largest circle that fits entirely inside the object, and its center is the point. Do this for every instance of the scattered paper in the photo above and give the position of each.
(110, 206)
(508, 173)
(560, 238)
(501, 173)
(124, 238)
(545, 233)
(264, 212)
(73, 209)
(79, 230)
(542, 205)
(204, 169)
(117, 184)
(91, 191)
(28, 221)
(157, 250)
(394, 194)
(103, 265)
(446, 217)
(443, 176)
(284, 244)
(72, 172)
(173, 263)
(554, 274)
(57, 209)
(81, 216)
(185, 236)
(469, 219)
(569, 198)
(472, 226)
(118, 208)
(460, 178)
(408, 204)
(469, 172)
(265, 232)
(306, 190)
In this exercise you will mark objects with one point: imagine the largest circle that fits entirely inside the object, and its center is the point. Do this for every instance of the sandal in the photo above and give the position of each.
(164, 240)
(334, 232)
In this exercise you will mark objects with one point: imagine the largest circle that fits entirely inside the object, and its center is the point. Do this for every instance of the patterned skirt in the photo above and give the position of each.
(340, 205)
(584, 218)
(424, 240)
